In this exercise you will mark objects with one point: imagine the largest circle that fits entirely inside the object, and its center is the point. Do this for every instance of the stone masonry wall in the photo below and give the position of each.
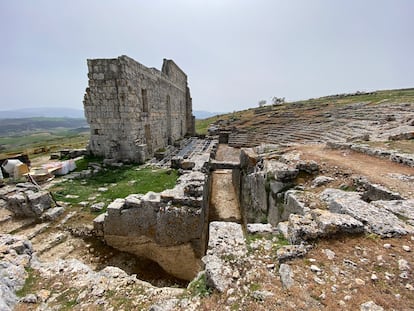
(134, 110)
(171, 227)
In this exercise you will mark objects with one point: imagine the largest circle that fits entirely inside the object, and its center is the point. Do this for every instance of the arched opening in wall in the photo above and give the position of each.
(144, 96)
(148, 138)
(168, 104)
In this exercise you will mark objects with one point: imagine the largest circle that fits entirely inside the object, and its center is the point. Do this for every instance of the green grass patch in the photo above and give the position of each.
(253, 237)
(373, 236)
(67, 299)
(281, 240)
(120, 182)
(254, 287)
(198, 287)
(201, 125)
(29, 284)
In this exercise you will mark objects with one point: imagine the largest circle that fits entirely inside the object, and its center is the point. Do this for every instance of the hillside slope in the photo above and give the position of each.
(379, 115)
(30, 125)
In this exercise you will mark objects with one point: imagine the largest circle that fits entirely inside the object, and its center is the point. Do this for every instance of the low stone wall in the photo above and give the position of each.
(264, 182)
(170, 227)
(167, 227)
(392, 155)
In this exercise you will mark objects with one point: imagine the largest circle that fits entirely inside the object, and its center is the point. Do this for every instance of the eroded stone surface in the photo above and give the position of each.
(378, 221)
(226, 242)
(170, 227)
(401, 208)
(28, 201)
(133, 111)
(15, 256)
(286, 275)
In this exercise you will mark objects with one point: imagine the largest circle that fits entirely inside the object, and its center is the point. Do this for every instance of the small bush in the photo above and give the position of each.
(198, 287)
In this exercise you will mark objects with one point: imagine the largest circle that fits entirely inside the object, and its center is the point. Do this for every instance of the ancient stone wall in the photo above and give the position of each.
(171, 227)
(134, 110)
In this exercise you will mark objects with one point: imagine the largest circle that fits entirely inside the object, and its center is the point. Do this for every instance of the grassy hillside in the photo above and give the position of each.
(48, 134)
(376, 97)
(29, 125)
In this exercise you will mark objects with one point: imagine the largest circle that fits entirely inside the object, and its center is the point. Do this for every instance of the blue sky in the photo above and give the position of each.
(234, 52)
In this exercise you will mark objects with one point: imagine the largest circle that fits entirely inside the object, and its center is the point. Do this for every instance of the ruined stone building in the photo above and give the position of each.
(133, 110)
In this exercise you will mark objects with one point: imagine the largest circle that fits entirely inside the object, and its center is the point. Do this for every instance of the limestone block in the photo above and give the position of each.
(226, 241)
(16, 256)
(98, 224)
(332, 223)
(321, 180)
(375, 220)
(53, 213)
(259, 228)
(375, 192)
(248, 159)
(302, 228)
(254, 197)
(286, 275)
(29, 203)
(403, 209)
(280, 171)
(310, 167)
(116, 207)
(288, 252)
(293, 205)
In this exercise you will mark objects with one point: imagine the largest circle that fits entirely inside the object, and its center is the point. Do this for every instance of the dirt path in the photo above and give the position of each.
(224, 204)
(397, 177)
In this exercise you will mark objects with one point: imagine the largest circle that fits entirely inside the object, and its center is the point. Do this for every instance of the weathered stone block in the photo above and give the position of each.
(375, 220)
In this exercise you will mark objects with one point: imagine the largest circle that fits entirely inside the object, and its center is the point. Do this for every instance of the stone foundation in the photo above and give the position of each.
(170, 227)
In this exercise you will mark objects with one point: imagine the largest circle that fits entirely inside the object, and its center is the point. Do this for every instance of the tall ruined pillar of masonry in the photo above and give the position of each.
(133, 110)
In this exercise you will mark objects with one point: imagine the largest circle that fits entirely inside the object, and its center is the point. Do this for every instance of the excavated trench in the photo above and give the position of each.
(224, 202)
(69, 236)
(220, 203)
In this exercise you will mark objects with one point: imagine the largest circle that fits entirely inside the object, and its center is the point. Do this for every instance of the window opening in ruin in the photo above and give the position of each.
(148, 141)
(144, 100)
(96, 131)
(182, 128)
(169, 120)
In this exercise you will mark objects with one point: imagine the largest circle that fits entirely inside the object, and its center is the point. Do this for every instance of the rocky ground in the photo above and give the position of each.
(311, 262)
(66, 269)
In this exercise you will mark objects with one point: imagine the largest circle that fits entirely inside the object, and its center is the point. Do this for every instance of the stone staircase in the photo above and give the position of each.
(317, 123)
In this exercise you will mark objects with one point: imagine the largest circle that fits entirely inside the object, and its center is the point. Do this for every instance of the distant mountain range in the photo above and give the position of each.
(47, 112)
(57, 112)
(21, 126)
(201, 114)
